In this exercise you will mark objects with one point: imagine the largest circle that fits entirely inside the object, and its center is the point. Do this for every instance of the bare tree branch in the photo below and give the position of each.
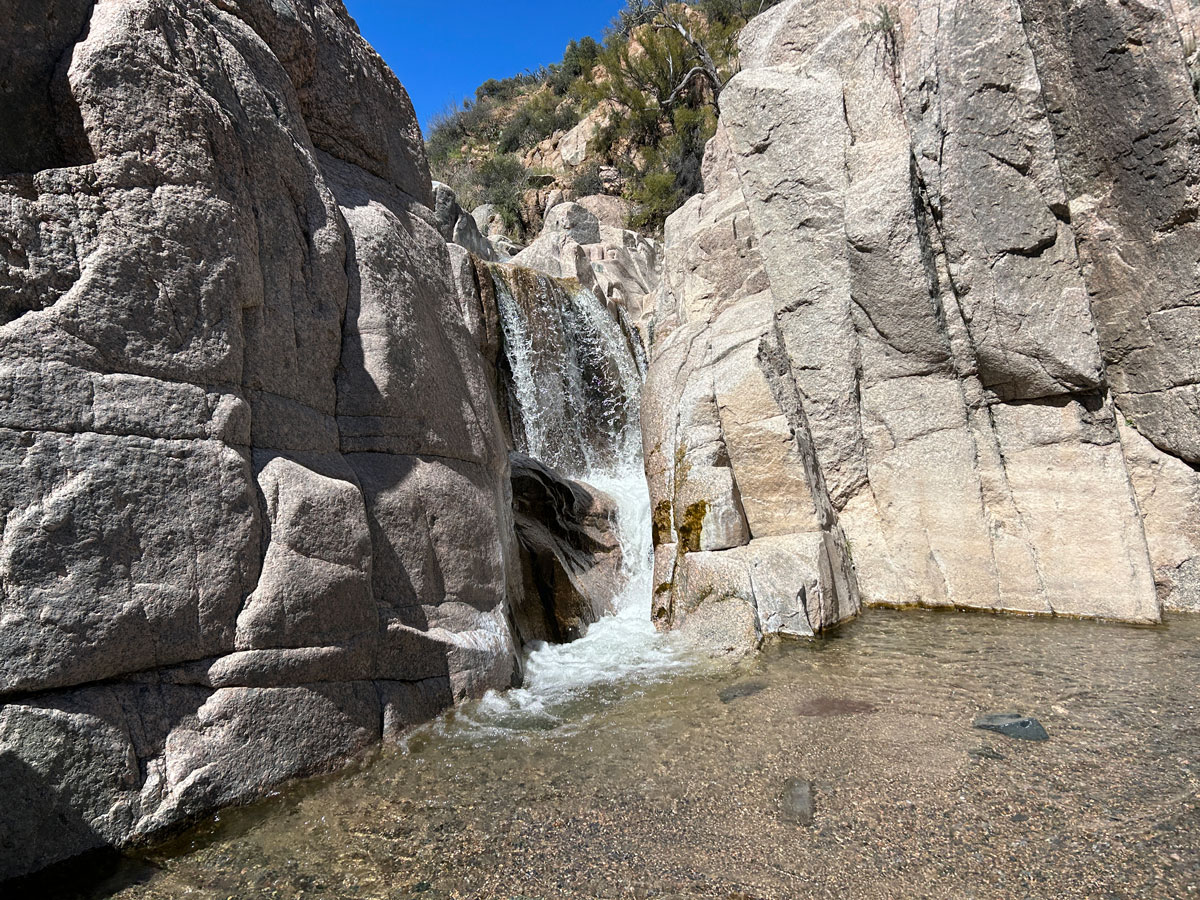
(697, 72)
(707, 68)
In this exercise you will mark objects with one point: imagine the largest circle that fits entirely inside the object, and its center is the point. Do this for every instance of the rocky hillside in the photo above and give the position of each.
(627, 119)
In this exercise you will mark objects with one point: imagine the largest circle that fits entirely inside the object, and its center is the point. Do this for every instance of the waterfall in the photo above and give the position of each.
(576, 374)
(576, 368)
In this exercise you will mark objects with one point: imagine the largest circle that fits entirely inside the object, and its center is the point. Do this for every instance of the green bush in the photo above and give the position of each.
(655, 141)
(655, 197)
(502, 182)
(587, 181)
(576, 63)
(535, 121)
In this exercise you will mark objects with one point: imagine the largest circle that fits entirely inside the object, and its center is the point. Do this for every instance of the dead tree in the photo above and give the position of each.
(705, 68)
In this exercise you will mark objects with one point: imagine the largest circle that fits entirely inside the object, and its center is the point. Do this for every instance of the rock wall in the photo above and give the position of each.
(934, 314)
(255, 509)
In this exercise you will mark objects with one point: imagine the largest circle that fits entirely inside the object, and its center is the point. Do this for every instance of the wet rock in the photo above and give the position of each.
(570, 552)
(798, 802)
(1013, 725)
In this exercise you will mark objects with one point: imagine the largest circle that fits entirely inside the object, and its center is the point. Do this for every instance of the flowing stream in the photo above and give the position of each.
(675, 791)
(603, 777)
(576, 372)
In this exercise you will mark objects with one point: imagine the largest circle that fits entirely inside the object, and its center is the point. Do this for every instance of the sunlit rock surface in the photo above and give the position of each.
(254, 483)
(934, 307)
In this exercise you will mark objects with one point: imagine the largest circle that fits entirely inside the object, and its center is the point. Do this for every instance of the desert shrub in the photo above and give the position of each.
(684, 151)
(732, 12)
(655, 197)
(587, 181)
(655, 141)
(577, 62)
(535, 121)
(502, 181)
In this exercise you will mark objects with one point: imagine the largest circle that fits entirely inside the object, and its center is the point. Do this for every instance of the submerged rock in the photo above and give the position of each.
(737, 691)
(834, 706)
(986, 753)
(798, 801)
(1013, 725)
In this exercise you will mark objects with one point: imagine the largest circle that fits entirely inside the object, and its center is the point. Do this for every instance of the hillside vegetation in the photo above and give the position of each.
(638, 109)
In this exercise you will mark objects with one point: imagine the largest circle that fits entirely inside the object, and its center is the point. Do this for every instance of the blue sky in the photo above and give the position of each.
(443, 49)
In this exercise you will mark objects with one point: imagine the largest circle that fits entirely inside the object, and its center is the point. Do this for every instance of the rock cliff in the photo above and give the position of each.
(934, 314)
(927, 337)
(255, 509)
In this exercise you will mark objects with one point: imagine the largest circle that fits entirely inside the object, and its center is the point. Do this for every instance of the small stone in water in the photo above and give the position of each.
(834, 706)
(1014, 725)
(798, 803)
(986, 753)
(745, 689)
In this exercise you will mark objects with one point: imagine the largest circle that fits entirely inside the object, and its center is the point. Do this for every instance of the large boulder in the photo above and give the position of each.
(254, 482)
(455, 225)
(928, 236)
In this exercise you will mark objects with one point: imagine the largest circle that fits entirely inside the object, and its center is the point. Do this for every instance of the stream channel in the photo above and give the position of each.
(625, 768)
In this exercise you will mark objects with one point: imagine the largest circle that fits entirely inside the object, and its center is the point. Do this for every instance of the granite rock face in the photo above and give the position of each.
(621, 265)
(932, 314)
(255, 490)
(456, 226)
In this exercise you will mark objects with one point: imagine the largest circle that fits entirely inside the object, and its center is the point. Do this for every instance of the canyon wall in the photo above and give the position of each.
(934, 314)
(255, 509)
(928, 337)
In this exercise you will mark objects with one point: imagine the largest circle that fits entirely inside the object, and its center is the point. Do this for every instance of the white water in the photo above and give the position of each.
(623, 650)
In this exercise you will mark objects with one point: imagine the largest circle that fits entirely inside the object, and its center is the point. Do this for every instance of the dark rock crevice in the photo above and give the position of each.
(43, 128)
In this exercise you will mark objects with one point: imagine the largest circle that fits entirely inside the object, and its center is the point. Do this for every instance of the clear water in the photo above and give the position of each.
(672, 788)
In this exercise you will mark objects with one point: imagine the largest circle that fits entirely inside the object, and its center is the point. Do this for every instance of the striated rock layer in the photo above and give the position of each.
(934, 314)
(255, 508)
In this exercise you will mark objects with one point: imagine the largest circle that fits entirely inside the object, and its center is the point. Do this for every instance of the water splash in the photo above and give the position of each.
(576, 374)
(575, 386)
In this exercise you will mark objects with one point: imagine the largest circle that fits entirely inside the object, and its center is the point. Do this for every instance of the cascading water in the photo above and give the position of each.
(576, 372)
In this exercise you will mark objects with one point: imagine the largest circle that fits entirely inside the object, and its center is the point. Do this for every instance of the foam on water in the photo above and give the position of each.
(617, 655)
(623, 650)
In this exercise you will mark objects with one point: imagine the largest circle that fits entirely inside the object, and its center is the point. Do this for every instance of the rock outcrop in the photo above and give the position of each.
(456, 226)
(933, 313)
(255, 489)
(621, 265)
(571, 559)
